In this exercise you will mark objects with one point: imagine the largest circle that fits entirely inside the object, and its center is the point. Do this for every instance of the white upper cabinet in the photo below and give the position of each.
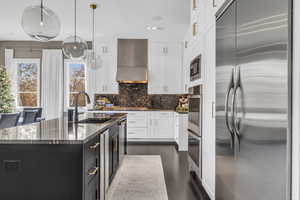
(165, 68)
(186, 62)
(156, 70)
(106, 83)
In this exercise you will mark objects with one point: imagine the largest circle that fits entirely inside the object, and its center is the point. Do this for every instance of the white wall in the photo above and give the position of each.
(296, 103)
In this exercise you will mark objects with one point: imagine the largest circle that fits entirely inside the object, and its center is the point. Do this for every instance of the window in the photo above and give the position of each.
(27, 82)
(76, 82)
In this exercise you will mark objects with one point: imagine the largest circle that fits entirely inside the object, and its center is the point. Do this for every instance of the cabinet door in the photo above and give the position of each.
(173, 69)
(208, 135)
(186, 63)
(107, 83)
(156, 68)
(112, 86)
(162, 125)
(162, 128)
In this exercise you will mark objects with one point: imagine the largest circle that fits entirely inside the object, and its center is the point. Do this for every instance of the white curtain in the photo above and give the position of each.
(52, 85)
(12, 70)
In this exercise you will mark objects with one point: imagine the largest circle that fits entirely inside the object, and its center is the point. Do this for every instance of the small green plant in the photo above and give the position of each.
(6, 98)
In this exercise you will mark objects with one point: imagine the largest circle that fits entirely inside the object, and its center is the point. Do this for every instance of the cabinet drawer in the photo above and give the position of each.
(137, 132)
(163, 115)
(134, 115)
(91, 171)
(91, 148)
(142, 122)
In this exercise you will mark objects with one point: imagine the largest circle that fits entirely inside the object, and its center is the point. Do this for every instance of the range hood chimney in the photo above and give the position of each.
(132, 61)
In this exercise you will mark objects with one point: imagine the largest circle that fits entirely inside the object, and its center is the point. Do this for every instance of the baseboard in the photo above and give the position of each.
(197, 182)
(208, 190)
(137, 142)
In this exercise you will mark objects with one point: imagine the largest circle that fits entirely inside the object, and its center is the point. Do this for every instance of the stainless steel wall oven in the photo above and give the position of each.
(195, 130)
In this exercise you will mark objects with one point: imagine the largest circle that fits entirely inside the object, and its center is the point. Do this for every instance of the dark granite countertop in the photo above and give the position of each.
(117, 108)
(58, 131)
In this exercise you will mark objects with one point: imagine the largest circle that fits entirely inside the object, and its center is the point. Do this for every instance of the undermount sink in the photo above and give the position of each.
(94, 120)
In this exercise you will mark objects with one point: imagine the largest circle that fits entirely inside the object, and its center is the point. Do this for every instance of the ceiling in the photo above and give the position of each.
(123, 18)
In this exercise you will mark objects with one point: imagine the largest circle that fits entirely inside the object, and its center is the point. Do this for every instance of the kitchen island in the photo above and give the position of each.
(58, 159)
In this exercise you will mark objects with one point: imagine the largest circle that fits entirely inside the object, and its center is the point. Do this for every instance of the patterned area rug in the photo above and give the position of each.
(139, 178)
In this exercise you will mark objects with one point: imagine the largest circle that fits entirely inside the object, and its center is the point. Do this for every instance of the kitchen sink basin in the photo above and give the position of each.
(94, 120)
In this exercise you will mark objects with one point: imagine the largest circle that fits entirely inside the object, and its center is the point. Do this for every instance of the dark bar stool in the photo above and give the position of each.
(29, 117)
(8, 120)
(38, 110)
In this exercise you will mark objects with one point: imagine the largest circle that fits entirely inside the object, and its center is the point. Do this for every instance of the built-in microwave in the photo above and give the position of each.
(195, 68)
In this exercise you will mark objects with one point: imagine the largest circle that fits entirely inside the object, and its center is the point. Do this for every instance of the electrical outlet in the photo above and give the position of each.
(12, 165)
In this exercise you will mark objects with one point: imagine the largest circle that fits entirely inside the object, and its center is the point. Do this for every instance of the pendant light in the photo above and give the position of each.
(75, 47)
(40, 23)
(93, 59)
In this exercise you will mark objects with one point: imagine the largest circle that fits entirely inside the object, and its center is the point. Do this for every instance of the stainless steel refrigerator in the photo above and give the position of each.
(253, 100)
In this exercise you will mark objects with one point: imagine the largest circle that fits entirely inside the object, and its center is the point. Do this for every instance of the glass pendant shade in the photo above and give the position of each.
(40, 23)
(94, 61)
(75, 47)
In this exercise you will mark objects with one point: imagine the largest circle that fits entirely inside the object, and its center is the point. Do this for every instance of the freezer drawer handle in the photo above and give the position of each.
(93, 172)
(228, 124)
(95, 145)
(236, 126)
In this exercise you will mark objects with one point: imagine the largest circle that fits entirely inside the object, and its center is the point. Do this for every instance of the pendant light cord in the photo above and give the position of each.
(75, 19)
(42, 7)
(94, 30)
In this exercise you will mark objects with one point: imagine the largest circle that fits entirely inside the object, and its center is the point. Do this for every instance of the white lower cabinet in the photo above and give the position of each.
(156, 126)
(150, 126)
(161, 125)
(137, 125)
(181, 133)
(137, 133)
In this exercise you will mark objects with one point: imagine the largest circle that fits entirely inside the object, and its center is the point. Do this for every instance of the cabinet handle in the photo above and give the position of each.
(165, 88)
(95, 145)
(115, 147)
(104, 49)
(93, 171)
(213, 109)
(214, 3)
(186, 44)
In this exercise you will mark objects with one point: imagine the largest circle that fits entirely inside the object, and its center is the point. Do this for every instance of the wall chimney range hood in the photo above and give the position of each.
(132, 61)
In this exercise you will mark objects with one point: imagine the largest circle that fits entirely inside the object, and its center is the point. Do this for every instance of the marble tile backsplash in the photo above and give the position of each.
(136, 95)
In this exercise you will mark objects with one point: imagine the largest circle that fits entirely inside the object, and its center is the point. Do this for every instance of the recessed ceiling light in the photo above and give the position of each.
(154, 28)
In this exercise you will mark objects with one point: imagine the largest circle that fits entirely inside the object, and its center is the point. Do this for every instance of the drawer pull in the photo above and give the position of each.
(93, 172)
(95, 145)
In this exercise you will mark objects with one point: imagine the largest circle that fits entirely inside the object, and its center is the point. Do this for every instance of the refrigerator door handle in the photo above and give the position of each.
(228, 124)
(235, 120)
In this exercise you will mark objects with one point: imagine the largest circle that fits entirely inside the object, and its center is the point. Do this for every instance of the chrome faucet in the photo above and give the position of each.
(76, 104)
